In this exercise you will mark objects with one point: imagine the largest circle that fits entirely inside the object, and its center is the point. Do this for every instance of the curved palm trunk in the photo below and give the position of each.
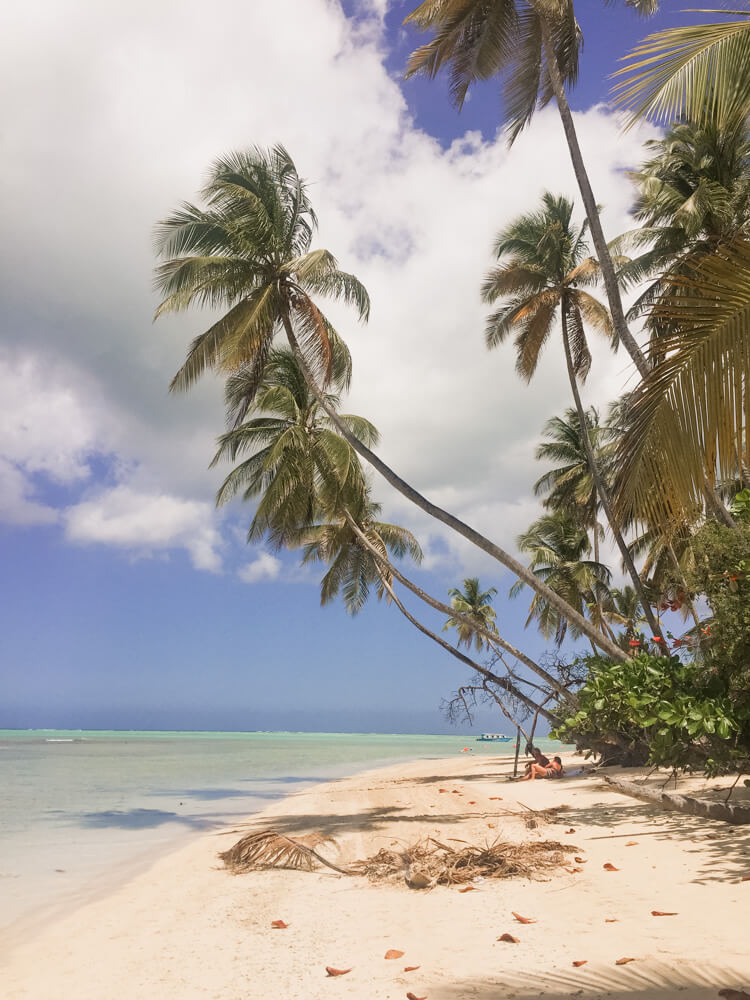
(604, 257)
(459, 616)
(589, 203)
(601, 488)
(522, 572)
(502, 682)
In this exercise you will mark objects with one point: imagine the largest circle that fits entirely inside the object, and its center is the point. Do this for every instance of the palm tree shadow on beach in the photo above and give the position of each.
(650, 980)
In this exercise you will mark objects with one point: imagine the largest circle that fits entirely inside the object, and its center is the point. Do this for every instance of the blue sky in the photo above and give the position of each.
(127, 601)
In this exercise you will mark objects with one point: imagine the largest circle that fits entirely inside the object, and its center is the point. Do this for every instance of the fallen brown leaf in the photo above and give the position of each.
(411, 968)
(745, 878)
(624, 961)
(468, 888)
(472, 802)
(456, 792)
(522, 920)
(336, 972)
(632, 843)
(509, 938)
(734, 994)
(580, 861)
(577, 965)
(410, 996)
(393, 953)
(445, 790)
(571, 830)
(572, 871)
(496, 798)
(663, 913)
(491, 826)
(609, 868)
(610, 920)
(279, 925)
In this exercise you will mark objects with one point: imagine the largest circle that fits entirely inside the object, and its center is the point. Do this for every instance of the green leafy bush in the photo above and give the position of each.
(659, 710)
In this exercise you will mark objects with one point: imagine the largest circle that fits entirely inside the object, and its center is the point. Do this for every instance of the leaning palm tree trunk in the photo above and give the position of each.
(522, 572)
(589, 202)
(601, 488)
(459, 616)
(502, 682)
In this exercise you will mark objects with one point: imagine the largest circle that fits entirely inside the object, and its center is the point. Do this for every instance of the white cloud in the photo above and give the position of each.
(263, 567)
(127, 115)
(146, 524)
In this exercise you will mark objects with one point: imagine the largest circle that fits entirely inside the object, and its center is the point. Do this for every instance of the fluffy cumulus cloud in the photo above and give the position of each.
(263, 567)
(124, 108)
(145, 523)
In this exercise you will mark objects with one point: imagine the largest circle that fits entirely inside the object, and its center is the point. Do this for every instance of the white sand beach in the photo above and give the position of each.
(187, 928)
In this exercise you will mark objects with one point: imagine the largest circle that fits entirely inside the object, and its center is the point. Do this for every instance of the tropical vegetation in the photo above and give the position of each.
(641, 549)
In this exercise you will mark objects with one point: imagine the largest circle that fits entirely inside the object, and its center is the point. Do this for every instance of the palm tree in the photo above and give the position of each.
(535, 47)
(557, 546)
(624, 608)
(249, 250)
(547, 267)
(476, 605)
(293, 451)
(687, 427)
(700, 72)
(692, 192)
(570, 486)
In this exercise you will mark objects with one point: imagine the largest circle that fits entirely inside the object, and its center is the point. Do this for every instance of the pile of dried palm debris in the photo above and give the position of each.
(424, 864)
(430, 862)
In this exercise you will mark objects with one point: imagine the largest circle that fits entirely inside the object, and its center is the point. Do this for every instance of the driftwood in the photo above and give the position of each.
(724, 811)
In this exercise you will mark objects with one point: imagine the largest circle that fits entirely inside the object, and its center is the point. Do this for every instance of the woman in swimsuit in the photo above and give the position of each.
(537, 771)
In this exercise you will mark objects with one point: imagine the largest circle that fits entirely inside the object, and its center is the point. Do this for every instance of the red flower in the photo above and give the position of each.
(657, 638)
(634, 642)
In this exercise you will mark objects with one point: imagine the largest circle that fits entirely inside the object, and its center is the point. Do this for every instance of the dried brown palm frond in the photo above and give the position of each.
(438, 864)
(269, 849)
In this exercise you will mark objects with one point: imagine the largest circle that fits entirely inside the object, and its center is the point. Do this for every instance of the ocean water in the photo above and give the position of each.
(81, 810)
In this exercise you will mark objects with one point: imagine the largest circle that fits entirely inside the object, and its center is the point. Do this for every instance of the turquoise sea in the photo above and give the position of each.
(83, 809)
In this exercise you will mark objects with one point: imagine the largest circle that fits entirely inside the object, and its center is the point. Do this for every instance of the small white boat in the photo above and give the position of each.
(493, 738)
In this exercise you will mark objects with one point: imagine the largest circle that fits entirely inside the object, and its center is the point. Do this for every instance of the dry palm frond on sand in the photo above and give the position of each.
(269, 849)
(429, 862)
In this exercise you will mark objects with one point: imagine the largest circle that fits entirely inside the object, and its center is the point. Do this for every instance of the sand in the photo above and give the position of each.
(187, 928)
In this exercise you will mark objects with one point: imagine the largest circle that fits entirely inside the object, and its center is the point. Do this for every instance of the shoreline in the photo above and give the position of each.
(184, 927)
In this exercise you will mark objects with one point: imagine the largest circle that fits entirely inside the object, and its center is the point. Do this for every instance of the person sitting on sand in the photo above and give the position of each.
(554, 770)
(538, 756)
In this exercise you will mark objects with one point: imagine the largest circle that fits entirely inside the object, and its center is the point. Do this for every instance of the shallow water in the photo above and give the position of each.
(79, 806)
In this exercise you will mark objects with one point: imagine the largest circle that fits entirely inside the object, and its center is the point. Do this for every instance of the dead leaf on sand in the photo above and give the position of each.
(411, 968)
(393, 953)
(624, 961)
(577, 965)
(580, 861)
(610, 920)
(734, 994)
(455, 792)
(443, 791)
(472, 802)
(522, 920)
(573, 871)
(663, 913)
(491, 826)
(571, 830)
(468, 888)
(745, 878)
(411, 996)
(608, 867)
(279, 925)
(496, 798)
(632, 843)
(336, 972)
(509, 938)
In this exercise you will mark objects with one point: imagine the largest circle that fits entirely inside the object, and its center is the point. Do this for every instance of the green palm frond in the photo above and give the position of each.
(700, 72)
(688, 418)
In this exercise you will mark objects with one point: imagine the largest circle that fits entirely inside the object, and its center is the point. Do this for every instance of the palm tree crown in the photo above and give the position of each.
(547, 269)
(296, 460)
(476, 604)
(248, 251)
(557, 546)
